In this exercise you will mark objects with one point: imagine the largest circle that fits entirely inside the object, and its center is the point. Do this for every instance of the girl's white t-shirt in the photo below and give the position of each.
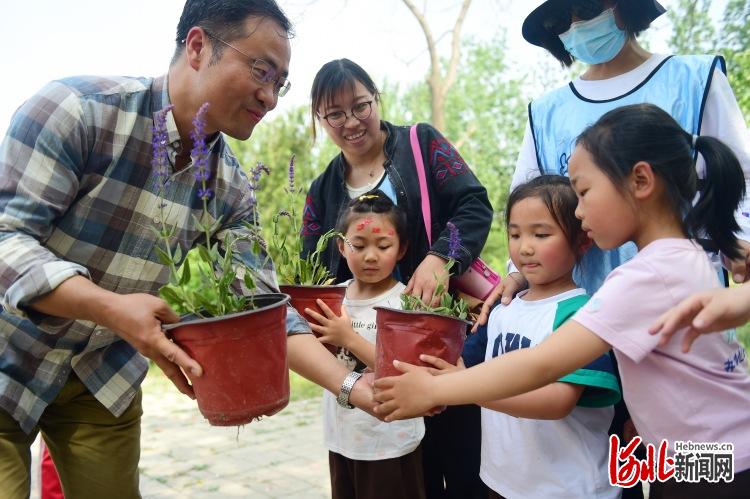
(354, 433)
(531, 458)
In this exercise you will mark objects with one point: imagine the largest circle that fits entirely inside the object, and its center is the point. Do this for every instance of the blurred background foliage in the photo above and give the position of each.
(485, 110)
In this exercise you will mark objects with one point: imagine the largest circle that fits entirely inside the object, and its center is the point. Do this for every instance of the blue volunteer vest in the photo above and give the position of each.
(679, 85)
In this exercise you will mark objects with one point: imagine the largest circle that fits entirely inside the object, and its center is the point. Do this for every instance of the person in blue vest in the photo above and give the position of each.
(603, 34)
(692, 88)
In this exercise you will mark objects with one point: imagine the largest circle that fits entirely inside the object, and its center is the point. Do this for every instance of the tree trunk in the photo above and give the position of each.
(439, 82)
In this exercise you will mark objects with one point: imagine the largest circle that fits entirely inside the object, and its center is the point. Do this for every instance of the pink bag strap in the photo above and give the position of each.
(426, 214)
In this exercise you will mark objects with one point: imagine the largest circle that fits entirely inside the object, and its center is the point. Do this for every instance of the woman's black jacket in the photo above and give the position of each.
(455, 195)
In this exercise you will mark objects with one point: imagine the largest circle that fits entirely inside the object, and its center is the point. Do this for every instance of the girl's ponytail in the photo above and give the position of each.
(723, 190)
(644, 132)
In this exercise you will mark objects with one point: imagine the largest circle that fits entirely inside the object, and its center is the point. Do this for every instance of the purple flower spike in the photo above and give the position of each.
(454, 241)
(204, 194)
(291, 174)
(255, 174)
(159, 140)
(200, 150)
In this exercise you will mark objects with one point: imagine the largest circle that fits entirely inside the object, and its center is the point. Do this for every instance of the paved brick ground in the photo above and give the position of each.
(183, 456)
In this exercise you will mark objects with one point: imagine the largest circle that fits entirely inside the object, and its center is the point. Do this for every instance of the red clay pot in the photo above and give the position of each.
(405, 334)
(243, 355)
(304, 297)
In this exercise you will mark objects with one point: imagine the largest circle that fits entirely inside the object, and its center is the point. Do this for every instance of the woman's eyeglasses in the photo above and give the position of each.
(361, 111)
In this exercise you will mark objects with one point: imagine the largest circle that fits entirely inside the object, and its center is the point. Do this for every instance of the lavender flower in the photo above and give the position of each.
(291, 174)
(159, 139)
(454, 241)
(200, 151)
(255, 175)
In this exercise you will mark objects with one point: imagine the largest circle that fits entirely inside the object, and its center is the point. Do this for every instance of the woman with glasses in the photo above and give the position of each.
(376, 154)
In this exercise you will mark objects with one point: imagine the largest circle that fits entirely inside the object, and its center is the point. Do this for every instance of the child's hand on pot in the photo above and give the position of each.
(333, 329)
(361, 396)
(441, 366)
(405, 396)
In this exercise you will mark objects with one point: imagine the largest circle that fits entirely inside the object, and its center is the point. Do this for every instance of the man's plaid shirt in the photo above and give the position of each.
(78, 197)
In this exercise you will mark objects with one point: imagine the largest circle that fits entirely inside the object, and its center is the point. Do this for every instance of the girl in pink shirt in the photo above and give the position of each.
(633, 172)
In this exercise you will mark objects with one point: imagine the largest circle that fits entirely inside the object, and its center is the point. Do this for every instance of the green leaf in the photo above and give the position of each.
(249, 281)
(164, 257)
(169, 295)
(185, 278)
(177, 253)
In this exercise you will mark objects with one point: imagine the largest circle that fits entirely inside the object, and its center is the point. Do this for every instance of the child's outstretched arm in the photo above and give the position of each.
(705, 312)
(554, 401)
(413, 393)
(337, 330)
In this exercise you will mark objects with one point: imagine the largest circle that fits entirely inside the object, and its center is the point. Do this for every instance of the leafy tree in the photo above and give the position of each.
(485, 113)
(694, 31)
(736, 40)
(440, 80)
(273, 143)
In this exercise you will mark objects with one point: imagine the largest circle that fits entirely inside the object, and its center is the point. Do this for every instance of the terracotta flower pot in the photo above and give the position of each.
(243, 355)
(405, 334)
(304, 297)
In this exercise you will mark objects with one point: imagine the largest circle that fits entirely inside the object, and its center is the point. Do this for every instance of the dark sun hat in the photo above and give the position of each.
(534, 31)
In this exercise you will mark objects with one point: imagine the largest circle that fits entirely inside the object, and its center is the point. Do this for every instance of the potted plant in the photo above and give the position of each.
(421, 328)
(239, 338)
(306, 279)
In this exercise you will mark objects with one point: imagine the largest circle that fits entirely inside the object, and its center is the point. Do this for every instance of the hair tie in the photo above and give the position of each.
(695, 140)
(365, 197)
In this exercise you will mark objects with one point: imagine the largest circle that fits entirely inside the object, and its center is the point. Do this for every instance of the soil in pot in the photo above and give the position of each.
(244, 360)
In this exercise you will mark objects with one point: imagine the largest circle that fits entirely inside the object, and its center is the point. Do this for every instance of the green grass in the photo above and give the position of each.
(300, 388)
(744, 335)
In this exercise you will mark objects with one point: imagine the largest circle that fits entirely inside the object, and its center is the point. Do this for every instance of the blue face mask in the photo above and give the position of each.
(595, 41)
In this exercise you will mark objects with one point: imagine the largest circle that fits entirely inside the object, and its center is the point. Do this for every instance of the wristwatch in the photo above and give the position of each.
(346, 389)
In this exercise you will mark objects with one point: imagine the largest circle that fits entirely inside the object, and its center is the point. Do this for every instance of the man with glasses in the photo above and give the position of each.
(78, 271)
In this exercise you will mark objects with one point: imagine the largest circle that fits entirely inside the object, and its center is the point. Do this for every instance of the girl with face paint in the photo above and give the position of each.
(368, 458)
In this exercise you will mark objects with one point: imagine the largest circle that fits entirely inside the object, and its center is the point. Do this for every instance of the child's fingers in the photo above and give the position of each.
(483, 315)
(675, 319)
(385, 409)
(317, 328)
(405, 367)
(326, 309)
(384, 385)
(316, 316)
(507, 294)
(689, 338)
(435, 361)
